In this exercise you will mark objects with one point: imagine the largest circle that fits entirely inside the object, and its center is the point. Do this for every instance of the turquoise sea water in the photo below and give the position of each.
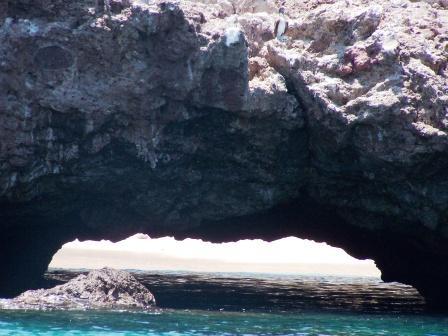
(246, 304)
(200, 322)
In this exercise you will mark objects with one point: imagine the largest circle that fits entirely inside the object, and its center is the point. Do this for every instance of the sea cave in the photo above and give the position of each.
(150, 119)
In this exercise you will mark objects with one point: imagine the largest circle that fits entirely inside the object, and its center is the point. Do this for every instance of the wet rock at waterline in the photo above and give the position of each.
(104, 288)
(191, 119)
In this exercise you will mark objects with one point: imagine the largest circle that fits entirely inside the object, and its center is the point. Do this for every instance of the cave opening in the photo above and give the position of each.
(286, 274)
(289, 255)
(27, 249)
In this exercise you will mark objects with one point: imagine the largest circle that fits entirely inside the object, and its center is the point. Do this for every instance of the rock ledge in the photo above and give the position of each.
(104, 288)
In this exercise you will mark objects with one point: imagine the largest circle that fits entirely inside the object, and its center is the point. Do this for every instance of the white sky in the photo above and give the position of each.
(140, 251)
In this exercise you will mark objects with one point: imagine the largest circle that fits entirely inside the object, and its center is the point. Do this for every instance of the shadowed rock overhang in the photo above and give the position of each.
(193, 120)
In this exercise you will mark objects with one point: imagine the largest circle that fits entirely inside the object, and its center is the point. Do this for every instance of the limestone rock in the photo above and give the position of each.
(104, 288)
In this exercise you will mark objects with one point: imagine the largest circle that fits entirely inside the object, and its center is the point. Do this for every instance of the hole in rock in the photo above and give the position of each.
(140, 252)
(289, 274)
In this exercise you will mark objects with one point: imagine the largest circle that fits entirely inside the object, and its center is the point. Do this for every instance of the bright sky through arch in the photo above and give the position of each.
(287, 255)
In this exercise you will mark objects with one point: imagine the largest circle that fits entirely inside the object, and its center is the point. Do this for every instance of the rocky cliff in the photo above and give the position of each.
(192, 119)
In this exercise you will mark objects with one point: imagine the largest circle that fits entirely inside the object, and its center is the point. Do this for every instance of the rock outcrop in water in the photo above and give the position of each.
(191, 119)
(104, 288)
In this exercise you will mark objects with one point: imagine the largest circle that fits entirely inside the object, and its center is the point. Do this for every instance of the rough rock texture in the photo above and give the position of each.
(104, 288)
(190, 119)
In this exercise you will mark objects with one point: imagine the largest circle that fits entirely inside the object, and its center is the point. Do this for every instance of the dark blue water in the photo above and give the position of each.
(246, 304)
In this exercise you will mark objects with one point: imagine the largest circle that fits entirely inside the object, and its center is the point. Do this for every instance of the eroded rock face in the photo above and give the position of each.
(191, 119)
(104, 288)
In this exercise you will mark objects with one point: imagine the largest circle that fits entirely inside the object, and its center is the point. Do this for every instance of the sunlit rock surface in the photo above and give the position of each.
(104, 288)
(191, 119)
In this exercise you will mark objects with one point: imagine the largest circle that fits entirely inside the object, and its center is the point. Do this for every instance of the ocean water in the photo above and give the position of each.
(246, 304)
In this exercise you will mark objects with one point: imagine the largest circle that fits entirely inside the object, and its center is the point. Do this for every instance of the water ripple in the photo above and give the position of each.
(273, 293)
